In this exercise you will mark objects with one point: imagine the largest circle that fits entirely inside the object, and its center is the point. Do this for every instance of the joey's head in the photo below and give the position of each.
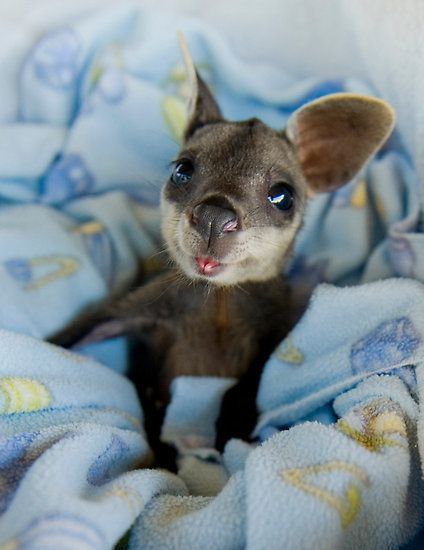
(236, 196)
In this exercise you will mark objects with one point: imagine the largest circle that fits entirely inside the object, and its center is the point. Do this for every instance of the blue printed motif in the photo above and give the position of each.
(402, 257)
(102, 251)
(61, 531)
(56, 59)
(101, 470)
(407, 374)
(19, 269)
(13, 465)
(390, 343)
(68, 178)
(111, 86)
(13, 448)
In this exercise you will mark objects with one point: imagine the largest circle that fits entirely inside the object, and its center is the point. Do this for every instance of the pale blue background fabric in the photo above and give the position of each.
(82, 160)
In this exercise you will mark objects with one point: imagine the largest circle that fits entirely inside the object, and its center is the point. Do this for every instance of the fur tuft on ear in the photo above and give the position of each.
(202, 107)
(335, 135)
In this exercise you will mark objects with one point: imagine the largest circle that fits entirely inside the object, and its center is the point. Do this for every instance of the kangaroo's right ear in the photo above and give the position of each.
(202, 107)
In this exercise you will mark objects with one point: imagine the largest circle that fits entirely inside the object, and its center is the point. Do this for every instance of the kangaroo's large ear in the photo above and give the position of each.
(335, 135)
(202, 107)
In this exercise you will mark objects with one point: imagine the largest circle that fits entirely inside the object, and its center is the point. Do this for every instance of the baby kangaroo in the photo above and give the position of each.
(231, 209)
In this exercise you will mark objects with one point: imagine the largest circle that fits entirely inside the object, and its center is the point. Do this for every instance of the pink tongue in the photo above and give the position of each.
(206, 265)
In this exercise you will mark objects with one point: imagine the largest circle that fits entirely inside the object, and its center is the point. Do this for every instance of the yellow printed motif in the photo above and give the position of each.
(22, 395)
(92, 227)
(64, 267)
(34, 273)
(11, 545)
(358, 198)
(174, 115)
(114, 58)
(178, 77)
(173, 105)
(288, 353)
(347, 505)
(378, 425)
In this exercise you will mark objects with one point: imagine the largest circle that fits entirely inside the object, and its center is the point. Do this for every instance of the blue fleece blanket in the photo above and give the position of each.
(100, 112)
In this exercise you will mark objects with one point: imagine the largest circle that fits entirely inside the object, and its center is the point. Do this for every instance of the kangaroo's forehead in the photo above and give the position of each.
(241, 148)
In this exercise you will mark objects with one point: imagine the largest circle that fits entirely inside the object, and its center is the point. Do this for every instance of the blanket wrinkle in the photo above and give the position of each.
(337, 457)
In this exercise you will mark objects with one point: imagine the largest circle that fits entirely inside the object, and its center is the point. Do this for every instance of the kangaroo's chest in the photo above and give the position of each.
(220, 334)
(218, 341)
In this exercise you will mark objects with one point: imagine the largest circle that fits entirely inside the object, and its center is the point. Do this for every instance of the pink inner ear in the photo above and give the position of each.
(334, 139)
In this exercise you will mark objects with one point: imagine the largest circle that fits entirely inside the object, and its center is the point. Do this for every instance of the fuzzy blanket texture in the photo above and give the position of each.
(100, 110)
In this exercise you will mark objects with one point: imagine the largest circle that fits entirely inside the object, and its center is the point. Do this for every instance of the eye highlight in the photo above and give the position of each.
(183, 172)
(281, 196)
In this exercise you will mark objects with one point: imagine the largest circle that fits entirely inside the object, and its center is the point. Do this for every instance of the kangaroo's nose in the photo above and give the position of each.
(212, 220)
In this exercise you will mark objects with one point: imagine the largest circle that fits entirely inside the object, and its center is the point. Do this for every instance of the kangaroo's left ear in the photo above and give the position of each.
(202, 107)
(335, 135)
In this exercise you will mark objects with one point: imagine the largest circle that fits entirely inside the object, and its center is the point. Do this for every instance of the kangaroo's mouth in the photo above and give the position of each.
(208, 267)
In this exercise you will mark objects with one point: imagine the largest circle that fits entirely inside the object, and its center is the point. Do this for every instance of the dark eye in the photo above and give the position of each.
(281, 196)
(182, 172)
